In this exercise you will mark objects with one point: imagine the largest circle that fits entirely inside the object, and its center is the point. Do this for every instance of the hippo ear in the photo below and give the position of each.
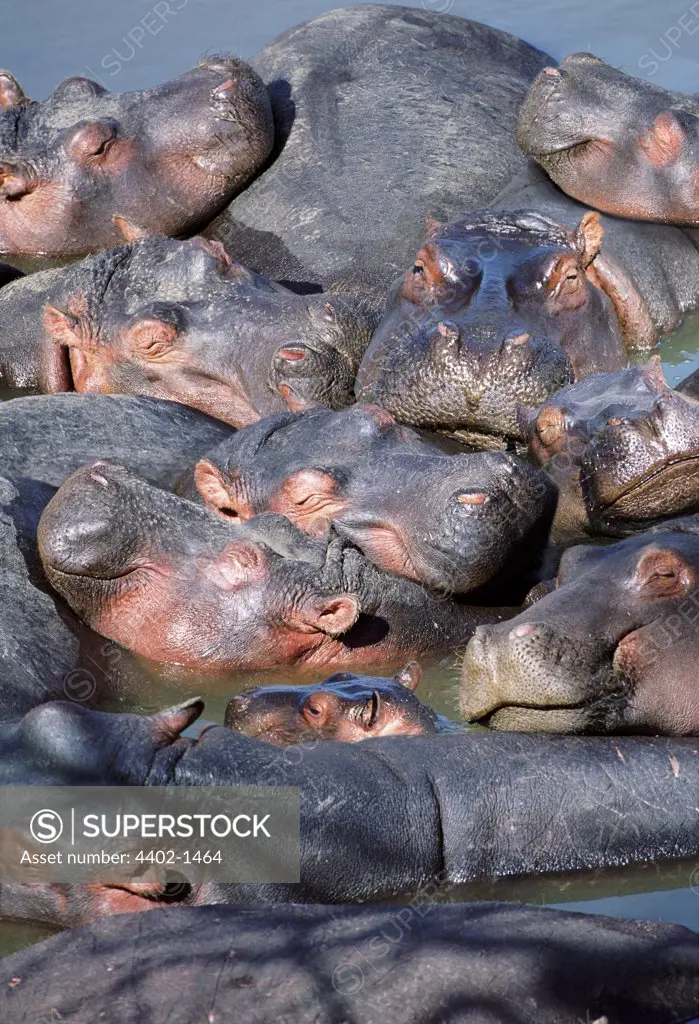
(653, 372)
(166, 726)
(131, 232)
(334, 615)
(409, 676)
(665, 141)
(588, 237)
(433, 228)
(216, 490)
(62, 326)
(11, 92)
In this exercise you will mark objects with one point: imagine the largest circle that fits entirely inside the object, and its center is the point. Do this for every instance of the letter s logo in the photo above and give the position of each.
(46, 826)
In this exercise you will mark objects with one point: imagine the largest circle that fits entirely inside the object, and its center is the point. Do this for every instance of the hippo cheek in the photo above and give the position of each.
(659, 674)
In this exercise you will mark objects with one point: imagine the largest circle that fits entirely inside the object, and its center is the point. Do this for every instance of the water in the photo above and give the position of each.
(136, 43)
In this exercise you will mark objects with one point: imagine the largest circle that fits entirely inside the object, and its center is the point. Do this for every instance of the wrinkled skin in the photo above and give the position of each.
(76, 165)
(176, 585)
(622, 449)
(181, 321)
(559, 820)
(393, 106)
(450, 521)
(345, 708)
(374, 964)
(612, 649)
(615, 142)
(496, 309)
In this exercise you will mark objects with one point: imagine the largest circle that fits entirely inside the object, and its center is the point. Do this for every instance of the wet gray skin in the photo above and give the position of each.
(77, 165)
(453, 522)
(623, 449)
(612, 649)
(617, 143)
(181, 321)
(176, 585)
(496, 309)
(394, 107)
(346, 708)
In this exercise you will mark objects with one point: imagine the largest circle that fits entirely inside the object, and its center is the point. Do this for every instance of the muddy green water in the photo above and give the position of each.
(135, 43)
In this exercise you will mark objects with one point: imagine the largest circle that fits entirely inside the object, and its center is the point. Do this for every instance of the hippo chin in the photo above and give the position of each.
(612, 649)
(497, 308)
(177, 585)
(181, 321)
(346, 708)
(453, 522)
(617, 143)
(163, 160)
(623, 449)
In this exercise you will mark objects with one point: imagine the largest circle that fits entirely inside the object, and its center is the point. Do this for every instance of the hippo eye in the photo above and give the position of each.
(614, 422)
(313, 709)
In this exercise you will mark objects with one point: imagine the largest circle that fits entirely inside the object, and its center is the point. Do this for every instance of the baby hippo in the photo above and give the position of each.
(615, 142)
(450, 521)
(345, 707)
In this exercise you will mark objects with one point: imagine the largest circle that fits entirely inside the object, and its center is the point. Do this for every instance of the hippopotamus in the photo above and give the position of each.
(39, 638)
(622, 449)
(83, 164)
(496, 307)
(345, 707)
(479, 806)
(617, 143)
(612, 649)
(176, 584)
(451, 521)
(370, 141)
(485, 963)
(181, 321)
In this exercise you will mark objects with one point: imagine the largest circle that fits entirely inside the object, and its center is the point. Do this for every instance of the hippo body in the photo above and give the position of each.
(214, 596)
(479, 806)
(377, 965)
(39, 637)
(372, 106)
(452, 522)
(180, 320)
(612, 649)
(83, 165)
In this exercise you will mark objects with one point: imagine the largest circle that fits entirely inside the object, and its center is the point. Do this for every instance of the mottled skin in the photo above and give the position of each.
(496, 308)
(612, 649)
(345, 707)
(79, 163)
(618, 143)
(622, 448)
(476, 806)
(452, 522)
(372, 105)
(181, 321)
(480, 962)
(177, 585)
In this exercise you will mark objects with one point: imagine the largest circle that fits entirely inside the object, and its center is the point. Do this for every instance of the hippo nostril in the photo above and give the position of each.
(292, 353)
(99, 479)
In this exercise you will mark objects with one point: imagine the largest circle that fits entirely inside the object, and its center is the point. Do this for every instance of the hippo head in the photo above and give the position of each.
(612, 649)
(629, 442)
(175, 584)
(346, 708)
(449, 521)
(497, 308)
(83, 165)
(614, 142)
(182, 321)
